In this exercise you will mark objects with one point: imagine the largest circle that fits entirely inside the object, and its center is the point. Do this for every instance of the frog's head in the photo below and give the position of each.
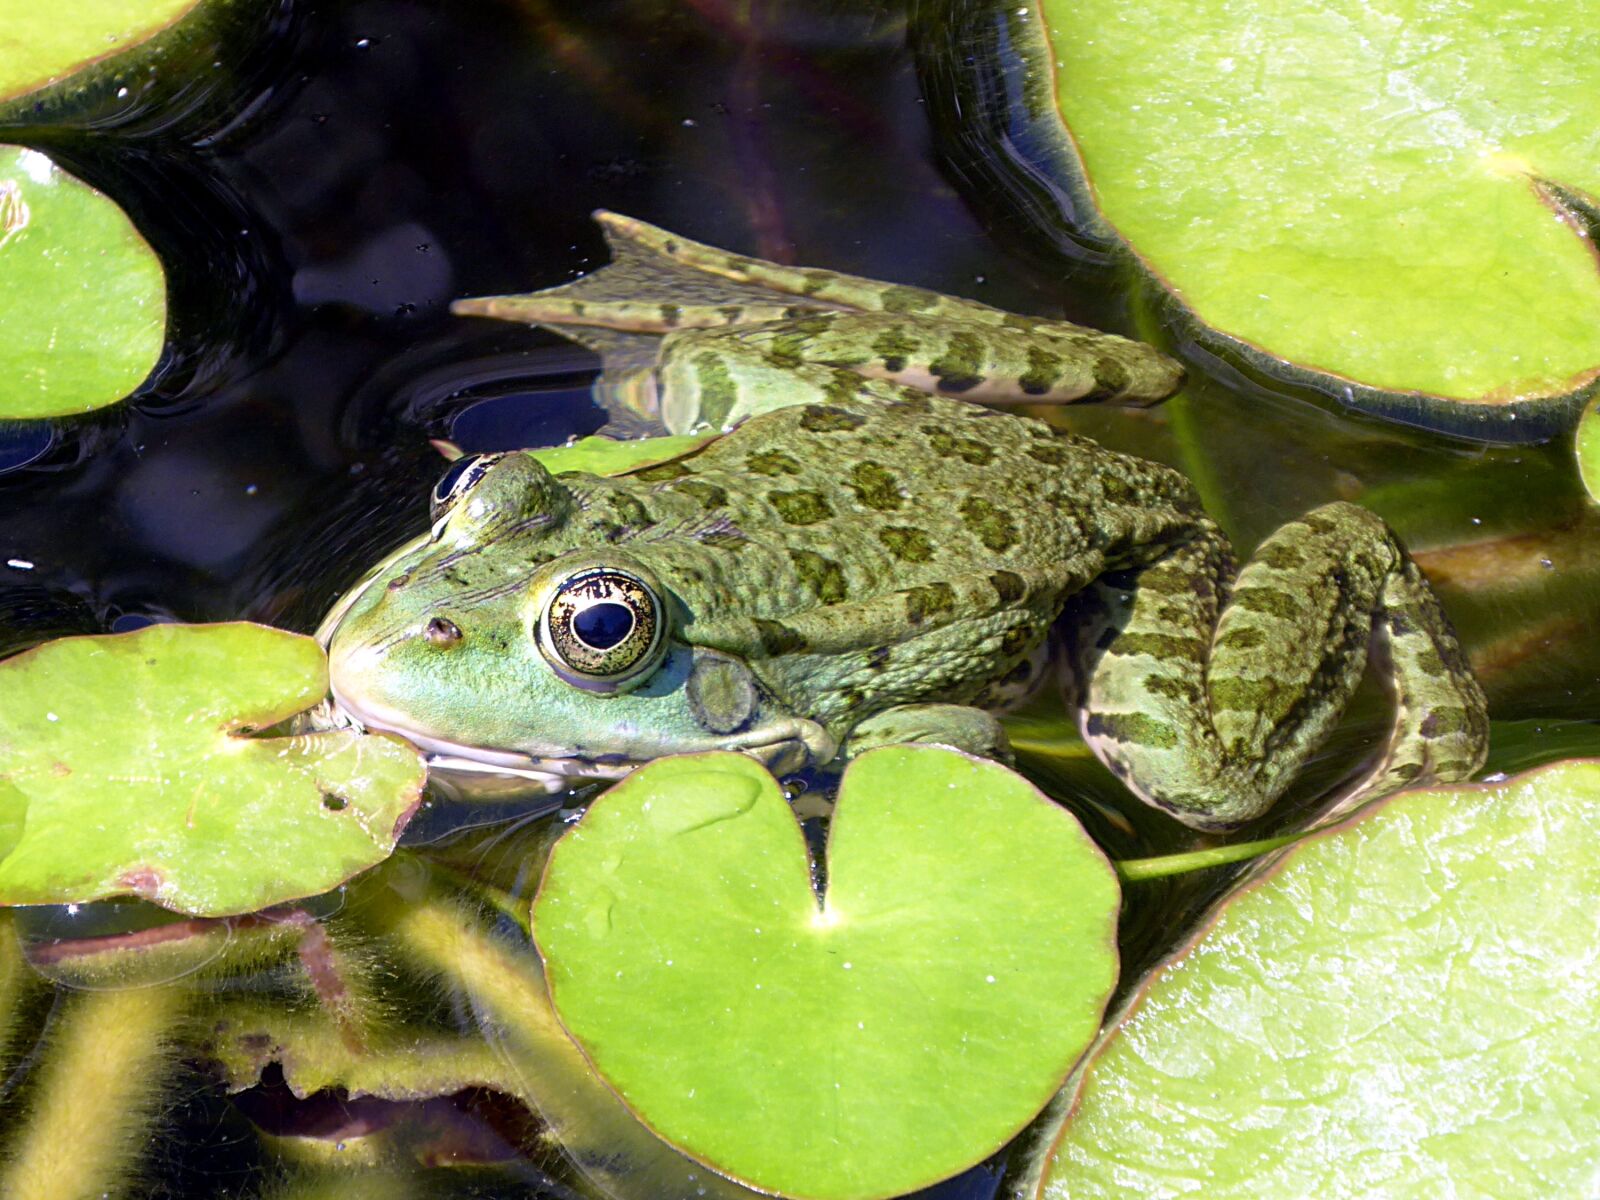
(505, 641)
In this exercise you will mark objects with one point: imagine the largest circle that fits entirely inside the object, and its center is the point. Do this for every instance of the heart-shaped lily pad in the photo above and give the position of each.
(83, 298)
(887, 1037)
(1401, 1006)
(1387, 201)
(126, 767)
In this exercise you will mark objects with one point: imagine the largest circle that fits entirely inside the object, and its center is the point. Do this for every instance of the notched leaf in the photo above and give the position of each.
(123, 771)
(1383, 1012)
(1353, 198)
(83, 298)
(890, 1037)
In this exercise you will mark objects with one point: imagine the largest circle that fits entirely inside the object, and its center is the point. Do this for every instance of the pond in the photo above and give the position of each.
(383, 158)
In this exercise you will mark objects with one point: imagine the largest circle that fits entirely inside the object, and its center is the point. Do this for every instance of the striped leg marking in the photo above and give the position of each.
(1207, 693)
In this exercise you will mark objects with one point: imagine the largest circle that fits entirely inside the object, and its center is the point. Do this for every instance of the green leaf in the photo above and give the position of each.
(1588, 449)
(1387, 201)
(1401, 1006)
(83, 299)
(408, 1062)
(44, 43)
(129, 760)
(889, 1037)
(608, 456)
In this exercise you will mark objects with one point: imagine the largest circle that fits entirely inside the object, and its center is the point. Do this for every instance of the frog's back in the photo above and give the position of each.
(916, 490)
(829, 533)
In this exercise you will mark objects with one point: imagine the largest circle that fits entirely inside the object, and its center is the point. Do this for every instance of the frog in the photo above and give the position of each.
(856, 554)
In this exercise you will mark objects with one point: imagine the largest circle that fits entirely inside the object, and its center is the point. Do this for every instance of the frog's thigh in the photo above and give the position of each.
(1212, 714)
(965, 728)
(714, 378)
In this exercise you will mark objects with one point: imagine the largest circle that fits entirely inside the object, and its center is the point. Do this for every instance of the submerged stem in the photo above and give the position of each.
(97, 1091)
(506, 985)
(15, 978)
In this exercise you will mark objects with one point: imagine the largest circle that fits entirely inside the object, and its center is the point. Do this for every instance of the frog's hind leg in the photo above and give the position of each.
(1207, 695)
(655, 283)
(718, 377)
(659, 284)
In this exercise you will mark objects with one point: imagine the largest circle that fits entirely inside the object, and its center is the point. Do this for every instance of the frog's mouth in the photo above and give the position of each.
(465, 772)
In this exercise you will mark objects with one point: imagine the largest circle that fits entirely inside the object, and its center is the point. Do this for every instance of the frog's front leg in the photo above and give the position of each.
(958, 725)
(718, 377)
(1207, 695)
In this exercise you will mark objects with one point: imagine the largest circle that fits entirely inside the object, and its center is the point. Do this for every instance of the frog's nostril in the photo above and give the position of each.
(398, 582)
(442, 632)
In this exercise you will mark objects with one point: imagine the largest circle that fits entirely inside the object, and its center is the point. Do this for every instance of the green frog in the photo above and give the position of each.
(857, 554)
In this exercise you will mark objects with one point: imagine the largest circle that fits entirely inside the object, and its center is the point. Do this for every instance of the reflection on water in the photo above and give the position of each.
(404, 153)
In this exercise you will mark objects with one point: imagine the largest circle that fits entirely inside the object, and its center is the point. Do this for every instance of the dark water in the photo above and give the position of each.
(397, 154)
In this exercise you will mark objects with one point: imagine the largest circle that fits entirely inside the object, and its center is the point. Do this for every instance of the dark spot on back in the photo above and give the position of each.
(822, 418)
(822, 575)
(801, 507)
(990, 524)
(907, 544)
(875, 487)
(948, 445)
(710, 496)
(772, 462)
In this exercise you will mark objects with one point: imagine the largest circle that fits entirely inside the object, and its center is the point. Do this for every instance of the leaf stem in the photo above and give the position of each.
(1134, 870)
(98, 1090)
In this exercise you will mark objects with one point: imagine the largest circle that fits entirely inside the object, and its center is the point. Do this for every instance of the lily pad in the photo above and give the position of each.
(134, 66)
(44, 43)
(609, 456)
(1588, 448)
(83, 298)
(1386, 201)
(887, 1036)
(1401, 1006)
(127, 768)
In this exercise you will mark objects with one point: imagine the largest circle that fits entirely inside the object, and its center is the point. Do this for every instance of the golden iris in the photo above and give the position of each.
(601, 628)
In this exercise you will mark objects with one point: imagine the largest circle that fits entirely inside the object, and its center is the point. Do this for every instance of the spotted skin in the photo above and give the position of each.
(860, 561)
(1207, 691)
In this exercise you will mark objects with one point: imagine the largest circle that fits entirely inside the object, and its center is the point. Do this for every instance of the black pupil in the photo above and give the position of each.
(603, 625)
(448, 481)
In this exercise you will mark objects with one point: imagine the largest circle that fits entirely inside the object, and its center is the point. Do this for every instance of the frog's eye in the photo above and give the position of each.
(602, 629)
(458, 480)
